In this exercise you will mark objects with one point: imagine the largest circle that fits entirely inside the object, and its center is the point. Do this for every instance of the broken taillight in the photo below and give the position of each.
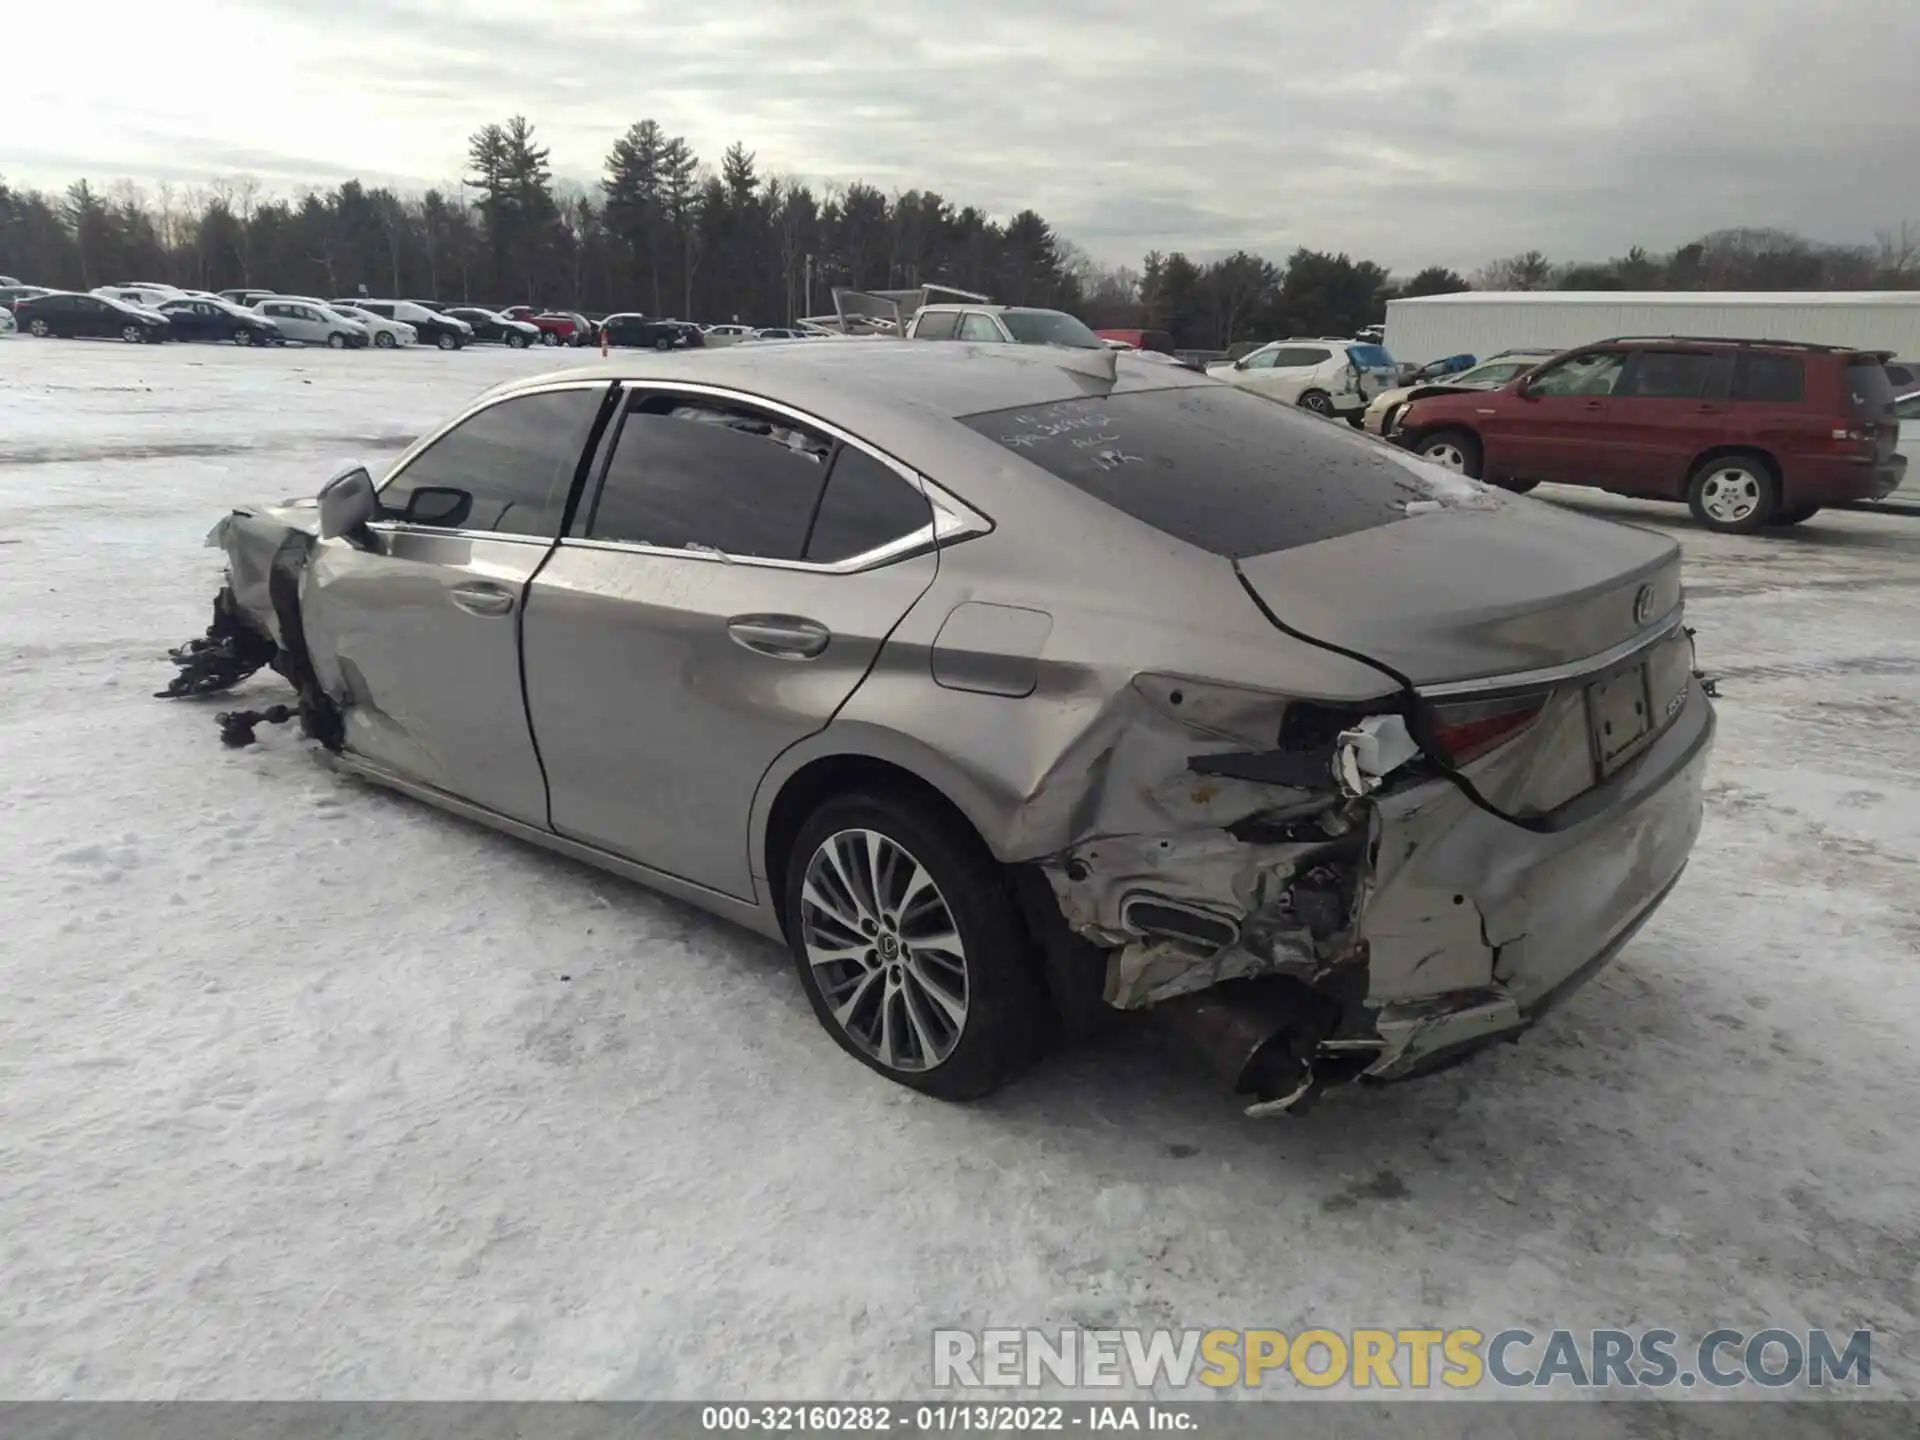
(1468, 729)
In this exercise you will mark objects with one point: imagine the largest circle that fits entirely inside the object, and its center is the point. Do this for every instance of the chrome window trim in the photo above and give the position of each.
(953, 519)
(1559, 674)
(486, 402)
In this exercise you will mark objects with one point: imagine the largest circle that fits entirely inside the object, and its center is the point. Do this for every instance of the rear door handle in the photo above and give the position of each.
(482, 597)
(1593, 405)
(785, 637)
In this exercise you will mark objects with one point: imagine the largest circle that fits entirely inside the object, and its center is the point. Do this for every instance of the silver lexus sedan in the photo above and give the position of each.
(1011, 686)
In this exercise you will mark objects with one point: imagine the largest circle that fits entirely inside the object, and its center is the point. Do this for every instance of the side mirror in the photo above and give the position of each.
(347, 503)
(1523, 387)
(439, 506)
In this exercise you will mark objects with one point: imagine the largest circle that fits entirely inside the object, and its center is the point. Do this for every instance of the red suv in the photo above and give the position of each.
(1749, 433)
(557, 327)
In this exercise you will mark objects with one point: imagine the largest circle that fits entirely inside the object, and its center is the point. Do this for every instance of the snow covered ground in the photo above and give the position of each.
(307, 1090)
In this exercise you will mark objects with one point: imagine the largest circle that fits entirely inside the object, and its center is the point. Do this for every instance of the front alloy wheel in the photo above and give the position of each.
(133, 334)
(384, 340)
(885, 952)
(39, 329)
(243, 337)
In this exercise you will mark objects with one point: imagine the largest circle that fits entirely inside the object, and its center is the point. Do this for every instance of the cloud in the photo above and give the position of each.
(1410, 131)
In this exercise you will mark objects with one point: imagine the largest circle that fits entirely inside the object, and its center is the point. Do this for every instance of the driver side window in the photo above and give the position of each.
(1593, 374)
(507, 469)
(1261, 360)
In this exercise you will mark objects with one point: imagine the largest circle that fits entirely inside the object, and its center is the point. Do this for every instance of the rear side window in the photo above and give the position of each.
(1771, 379)
(866, 506)
(937, 326)
(1869, 391)
(1219, 468)
(687, 473)
(514, 462)
(1668, 375)
(1370, 357)
(978, 327)
(1297, 356)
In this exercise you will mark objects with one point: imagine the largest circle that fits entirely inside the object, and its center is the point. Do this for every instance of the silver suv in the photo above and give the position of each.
(1001, 325)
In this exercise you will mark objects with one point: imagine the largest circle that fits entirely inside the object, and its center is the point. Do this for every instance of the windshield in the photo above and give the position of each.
(1049, 327)
(1494, 372)
(1217, 467)
(1370, 357)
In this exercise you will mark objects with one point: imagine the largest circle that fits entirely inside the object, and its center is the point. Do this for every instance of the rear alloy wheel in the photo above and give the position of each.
(39, 329)
(547, 337)
(243, 337)
(384, 340)
(1318, 401)
(1795, 514)
(516, 342)
(663, 343)
(448, 342)
(133, 334)
(911, 948)
(1453, 450)
(1734, 495)
(336, 341)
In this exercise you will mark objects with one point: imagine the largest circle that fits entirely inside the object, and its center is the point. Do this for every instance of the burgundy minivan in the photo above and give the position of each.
(1748, 433)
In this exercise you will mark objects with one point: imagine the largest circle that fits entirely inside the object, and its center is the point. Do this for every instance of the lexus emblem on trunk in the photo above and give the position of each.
(1643, 605)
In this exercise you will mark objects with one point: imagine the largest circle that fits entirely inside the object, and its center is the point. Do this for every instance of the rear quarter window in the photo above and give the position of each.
(1229, 472)
(1773, 379)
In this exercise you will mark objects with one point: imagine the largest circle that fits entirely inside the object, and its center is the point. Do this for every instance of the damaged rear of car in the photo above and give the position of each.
(1156, 698)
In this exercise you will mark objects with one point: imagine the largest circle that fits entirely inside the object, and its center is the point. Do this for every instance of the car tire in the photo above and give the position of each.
(1735, 494)
(39, 329)
(516, 342)
(133, 334)
(547, 337)
(663, 343)
(1453, 450)
(1357, 419)
(243, 337)
(384, 340)
(899, 1000)
(336, 341)
(447, 342)
(1318, 401)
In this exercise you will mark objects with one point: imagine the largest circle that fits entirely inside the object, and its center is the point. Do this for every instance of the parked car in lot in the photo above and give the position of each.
(1154, 340)
(556, 327)
(246, 298)
(1906, 410)
(7, 326)
(1001, 325)
(1328, 377)
(314, 322)
(10, 295)
(729, 334)
(61, 313)
(430, 327)
(631, 330)
(147, 297)
(386, 334)
(1489, 374)
(492, 328)
(1749, 433)
(1377, 780)
(193, 318)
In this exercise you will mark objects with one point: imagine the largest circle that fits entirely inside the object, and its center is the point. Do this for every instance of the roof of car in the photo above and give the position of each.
(869, 386)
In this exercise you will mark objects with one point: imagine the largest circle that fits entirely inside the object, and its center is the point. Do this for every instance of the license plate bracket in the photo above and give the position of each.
(1619, 717)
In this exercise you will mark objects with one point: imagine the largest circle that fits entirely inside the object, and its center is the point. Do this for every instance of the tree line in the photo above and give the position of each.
(668, 234)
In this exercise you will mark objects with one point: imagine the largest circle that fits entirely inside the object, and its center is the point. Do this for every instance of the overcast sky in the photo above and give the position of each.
(1409, 131)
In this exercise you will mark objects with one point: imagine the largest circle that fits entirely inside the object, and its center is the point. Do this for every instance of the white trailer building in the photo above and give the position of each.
(1484, 322)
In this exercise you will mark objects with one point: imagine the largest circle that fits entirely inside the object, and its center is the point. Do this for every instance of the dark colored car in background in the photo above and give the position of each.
(492, 328)
(636, 331)
(1749, 433)
(61, 313)
(557, 327)
(432, 327)
(198, 319)
(1156, 340)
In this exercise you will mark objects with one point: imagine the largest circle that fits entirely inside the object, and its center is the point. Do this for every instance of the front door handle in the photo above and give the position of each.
(483, 598)
(785, 637)
(1594, 405)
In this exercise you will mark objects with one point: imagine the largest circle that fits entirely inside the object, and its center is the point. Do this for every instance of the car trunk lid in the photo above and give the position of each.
(1459, 595)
